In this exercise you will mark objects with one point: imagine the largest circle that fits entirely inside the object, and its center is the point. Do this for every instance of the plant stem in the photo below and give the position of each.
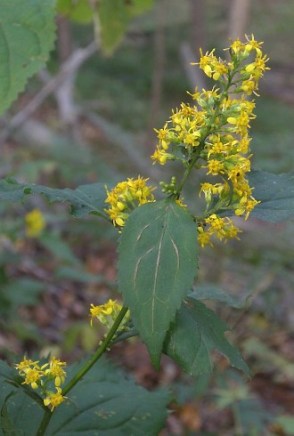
(44, 423)
(103, 347)
(186, 174)
(85, 368)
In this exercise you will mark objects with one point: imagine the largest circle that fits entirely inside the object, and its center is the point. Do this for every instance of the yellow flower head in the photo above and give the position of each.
(125, 197)
(105, 313)
(54, 399)
(26, 364)
(35, 223)
(56, 371)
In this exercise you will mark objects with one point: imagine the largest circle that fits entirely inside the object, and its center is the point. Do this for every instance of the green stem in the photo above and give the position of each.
(85, 368)
(188, 171)
(103, 347)
(44, 423)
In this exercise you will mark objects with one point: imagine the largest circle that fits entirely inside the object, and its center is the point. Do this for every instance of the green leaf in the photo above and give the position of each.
(276, 193)
(117, 407)
(59, 249)
(27, 33)
(211, 292)
(104, 401)
(22, 291)
(107, 403)
(196, 332)
(114, 16)
(18, 406)
(78, 274)
(5, 422)
(156, 268)
(83, 200)
(76, 10)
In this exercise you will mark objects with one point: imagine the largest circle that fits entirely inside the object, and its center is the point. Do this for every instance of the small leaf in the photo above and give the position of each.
(156, 268)
(114, 16)
(214, 293)
(276, 193)
(196, 332)
(85, 199)
(76, 10)
(22, 291)
(27, 33)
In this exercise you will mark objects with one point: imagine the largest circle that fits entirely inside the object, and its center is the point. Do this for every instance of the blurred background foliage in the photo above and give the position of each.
(97, 125)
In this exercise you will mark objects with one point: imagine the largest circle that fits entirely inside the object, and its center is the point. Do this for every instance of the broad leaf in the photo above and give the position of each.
(27, 33)
(156, 268)
(276, 193)
(83, 200)
(103, 402)
(114, 16)
(196, 332)
(110, 404)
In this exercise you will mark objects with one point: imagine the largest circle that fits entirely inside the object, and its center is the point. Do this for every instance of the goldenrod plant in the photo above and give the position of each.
(158, 254)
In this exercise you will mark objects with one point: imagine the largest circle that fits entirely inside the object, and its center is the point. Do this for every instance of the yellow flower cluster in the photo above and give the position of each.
(125, 197)
(35, 223)
(43, 377)
(107, 313)
(213, 134)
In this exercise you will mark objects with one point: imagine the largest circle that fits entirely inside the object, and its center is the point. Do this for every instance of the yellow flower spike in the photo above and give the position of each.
(213, 135)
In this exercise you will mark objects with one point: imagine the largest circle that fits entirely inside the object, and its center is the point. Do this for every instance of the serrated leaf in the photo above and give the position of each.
(103, 401)
(27, 33)
(276, 193)
(156, 268)
(196, 332)
(83, 200)
(114, 16)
